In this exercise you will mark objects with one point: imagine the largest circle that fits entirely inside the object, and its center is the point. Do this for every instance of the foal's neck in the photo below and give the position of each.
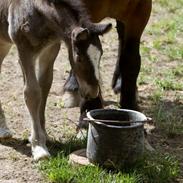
(63, 17)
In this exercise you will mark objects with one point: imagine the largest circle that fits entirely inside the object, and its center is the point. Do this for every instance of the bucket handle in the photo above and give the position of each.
(116, 121)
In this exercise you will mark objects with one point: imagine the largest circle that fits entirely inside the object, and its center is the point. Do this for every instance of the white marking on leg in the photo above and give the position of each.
(40, 152)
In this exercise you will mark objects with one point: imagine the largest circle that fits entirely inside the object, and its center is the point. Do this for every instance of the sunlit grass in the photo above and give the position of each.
(152, 168)
(169, 84)
(58, 170)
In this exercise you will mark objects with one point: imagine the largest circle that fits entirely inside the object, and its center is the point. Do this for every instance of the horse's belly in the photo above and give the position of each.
(118, 9)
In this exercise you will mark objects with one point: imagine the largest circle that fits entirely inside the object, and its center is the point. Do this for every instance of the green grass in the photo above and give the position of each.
(165, 31)
(158, 168)
(169, 84)
(178, 71)
(162, 57)
(58, 170)
(169, 118)
(152, 168)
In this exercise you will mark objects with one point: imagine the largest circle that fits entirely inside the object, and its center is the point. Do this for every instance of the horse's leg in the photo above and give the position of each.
(71, 97)
(45, 76)
(129, 68)
(116, 81)
(4, 131)
(131, 60)
(33, 97)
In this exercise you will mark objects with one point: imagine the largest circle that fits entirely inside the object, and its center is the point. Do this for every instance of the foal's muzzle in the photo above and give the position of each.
(90, 92)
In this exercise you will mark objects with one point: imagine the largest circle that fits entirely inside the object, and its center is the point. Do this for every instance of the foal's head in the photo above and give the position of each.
(85, 57)
(73, 23)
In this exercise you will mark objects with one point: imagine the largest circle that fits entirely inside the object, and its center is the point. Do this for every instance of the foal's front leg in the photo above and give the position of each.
(45, 76)
(4, 131)
(33, 97)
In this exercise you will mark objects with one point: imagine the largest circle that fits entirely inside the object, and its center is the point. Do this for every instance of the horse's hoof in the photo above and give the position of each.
(40, 153)
(5, 133)
(71, 99)
(117, 86)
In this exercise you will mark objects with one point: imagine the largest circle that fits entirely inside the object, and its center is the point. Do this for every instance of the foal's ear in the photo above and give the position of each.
(80, 34)
(101, 29)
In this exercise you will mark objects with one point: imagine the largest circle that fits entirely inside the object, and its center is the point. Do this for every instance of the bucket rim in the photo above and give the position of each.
(138, 124)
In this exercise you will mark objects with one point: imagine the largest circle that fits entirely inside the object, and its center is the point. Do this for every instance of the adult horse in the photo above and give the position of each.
(131, 17)
(36, 28)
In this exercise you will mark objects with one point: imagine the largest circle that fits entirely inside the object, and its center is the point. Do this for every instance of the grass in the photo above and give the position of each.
(60, 171)
(162, 56)
(168, 84)
(152, 168)
(169, 118)
(69, 145)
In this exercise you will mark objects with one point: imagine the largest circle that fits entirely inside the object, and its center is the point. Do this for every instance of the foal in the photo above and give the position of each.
(36, 27)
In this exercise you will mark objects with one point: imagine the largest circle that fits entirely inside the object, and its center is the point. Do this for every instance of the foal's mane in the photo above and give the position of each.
(77, 8)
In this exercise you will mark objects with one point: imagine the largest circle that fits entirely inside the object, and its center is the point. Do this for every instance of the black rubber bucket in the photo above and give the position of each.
(115, 137)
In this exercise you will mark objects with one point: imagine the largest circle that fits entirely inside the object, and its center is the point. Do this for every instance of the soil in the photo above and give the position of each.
(16, 165)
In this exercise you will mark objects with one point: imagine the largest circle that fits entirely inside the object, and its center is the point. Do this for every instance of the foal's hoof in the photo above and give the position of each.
(40, 153)
(5, 133)
(71, 99)
(117, 86)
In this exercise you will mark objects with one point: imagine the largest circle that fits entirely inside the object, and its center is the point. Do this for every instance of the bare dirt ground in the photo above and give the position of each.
(16, 165)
